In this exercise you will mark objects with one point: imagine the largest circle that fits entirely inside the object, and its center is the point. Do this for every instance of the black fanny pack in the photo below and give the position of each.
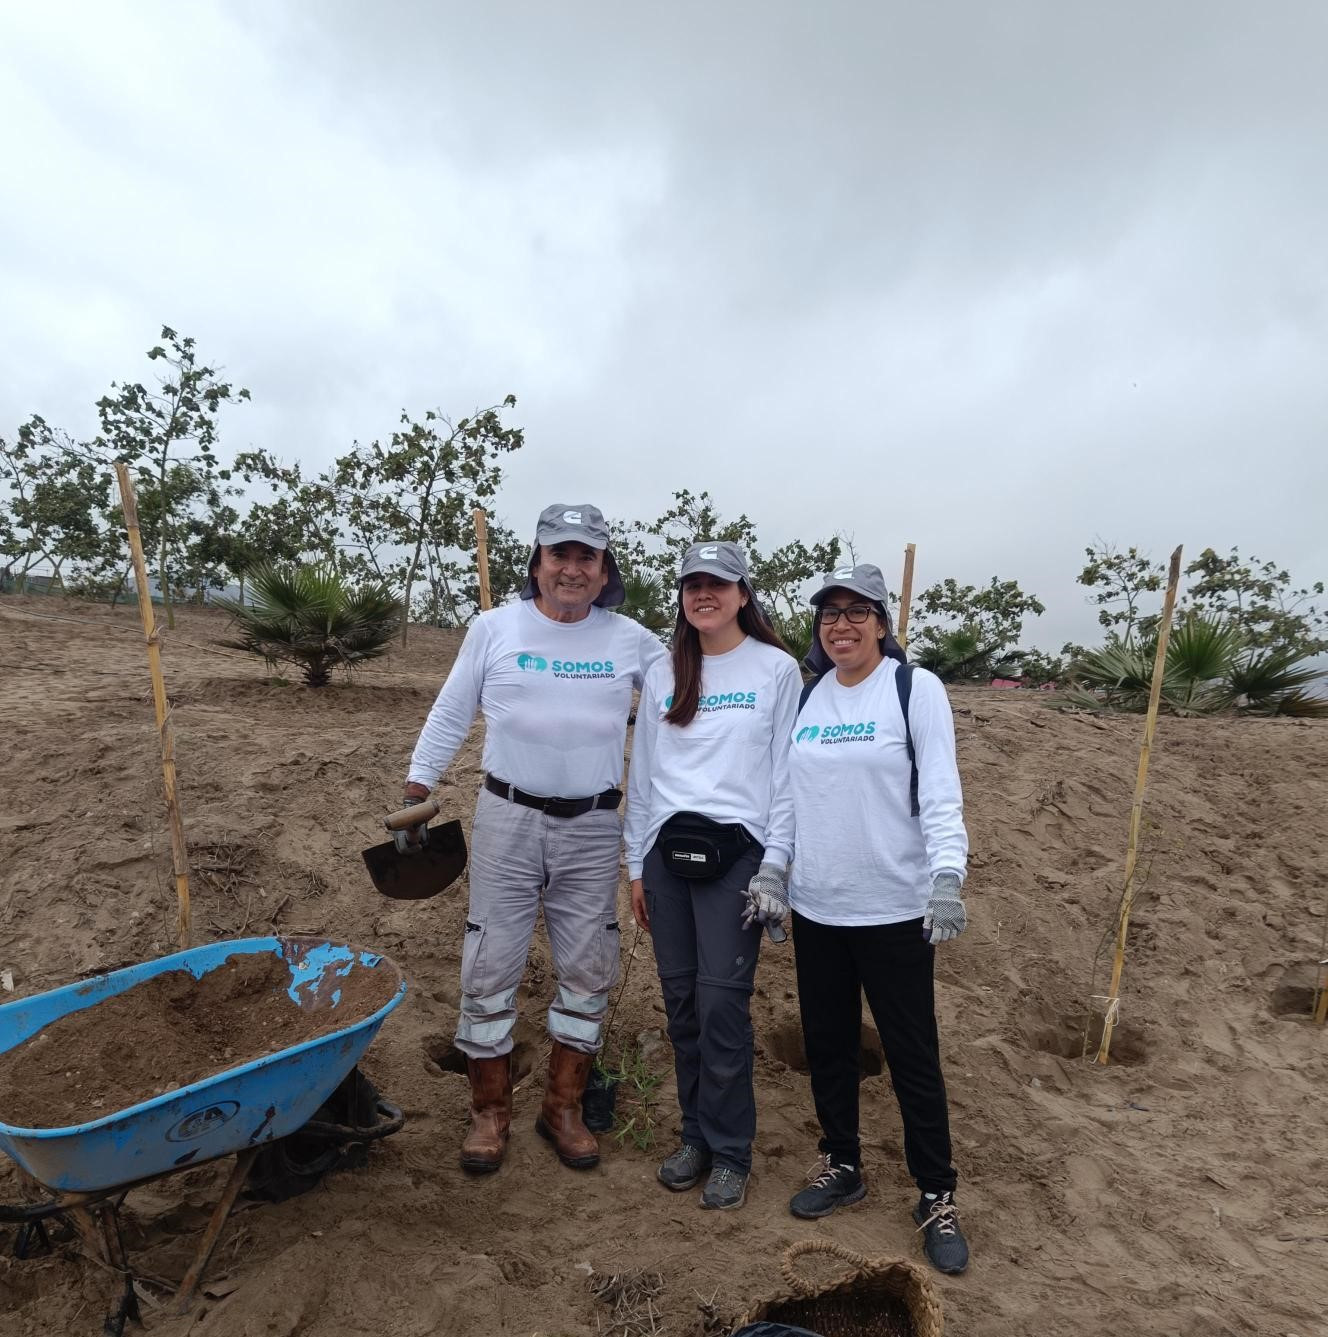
(693, 846)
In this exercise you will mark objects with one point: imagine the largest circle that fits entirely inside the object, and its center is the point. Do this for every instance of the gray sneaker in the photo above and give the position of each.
(942, 1240)
(684, 1168)
(725, 1190)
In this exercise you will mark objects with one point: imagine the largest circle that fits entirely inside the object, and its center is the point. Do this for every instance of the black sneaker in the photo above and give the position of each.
(725, 1190)
(942, 1241)
(684, 1168)
(829, 1186)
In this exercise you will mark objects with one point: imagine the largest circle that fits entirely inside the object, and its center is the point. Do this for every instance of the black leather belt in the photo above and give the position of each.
(553, 807)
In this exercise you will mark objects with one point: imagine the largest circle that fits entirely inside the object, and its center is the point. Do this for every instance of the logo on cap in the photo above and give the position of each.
(843, 573)
(710, 553)
(572, 517)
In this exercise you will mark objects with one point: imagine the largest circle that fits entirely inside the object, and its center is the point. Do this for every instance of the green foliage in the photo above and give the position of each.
(1258, 597)
(1036, 667)
(1210, 667)
(1120, 580)
(779, 576)
(147, 428)
(977, 631)
(57, 498)
(795, 630)
(308, 616)
(634, 1115)
(648, 601)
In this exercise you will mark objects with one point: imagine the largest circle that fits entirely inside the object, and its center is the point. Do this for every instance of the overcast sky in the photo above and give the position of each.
(993, 278)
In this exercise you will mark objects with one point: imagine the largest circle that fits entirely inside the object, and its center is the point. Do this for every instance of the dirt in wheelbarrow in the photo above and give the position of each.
(167, 1032)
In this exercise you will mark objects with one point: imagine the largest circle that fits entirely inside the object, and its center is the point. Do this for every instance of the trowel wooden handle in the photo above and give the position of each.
(416, 815)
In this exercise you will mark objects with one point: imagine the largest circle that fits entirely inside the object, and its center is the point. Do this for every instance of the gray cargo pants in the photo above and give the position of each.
(518, 858)
(707, 963)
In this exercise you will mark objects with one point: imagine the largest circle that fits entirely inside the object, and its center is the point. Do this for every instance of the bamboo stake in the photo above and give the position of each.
(906, 596)
(179, 851)
(482, 558)
(1112, 999)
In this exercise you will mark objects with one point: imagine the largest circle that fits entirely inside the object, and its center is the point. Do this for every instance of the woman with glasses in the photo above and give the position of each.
(708, 831)
(880, 853)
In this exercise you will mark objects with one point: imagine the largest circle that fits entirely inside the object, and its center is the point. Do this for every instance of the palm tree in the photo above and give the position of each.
(1209, 668)
(307, 615)
(646, 602)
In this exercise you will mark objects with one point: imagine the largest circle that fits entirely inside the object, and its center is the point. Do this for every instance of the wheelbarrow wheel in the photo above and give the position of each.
(334, 1138)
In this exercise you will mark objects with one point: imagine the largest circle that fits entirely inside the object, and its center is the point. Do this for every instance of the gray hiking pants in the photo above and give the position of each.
(707, 962)
(519, 858)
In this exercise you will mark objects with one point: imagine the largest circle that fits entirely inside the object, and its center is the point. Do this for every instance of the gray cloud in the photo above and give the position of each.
(995, 279)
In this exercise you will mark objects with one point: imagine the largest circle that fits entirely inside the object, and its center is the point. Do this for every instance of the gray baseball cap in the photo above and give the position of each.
(724, 560)
(577, 522)
(864, 579)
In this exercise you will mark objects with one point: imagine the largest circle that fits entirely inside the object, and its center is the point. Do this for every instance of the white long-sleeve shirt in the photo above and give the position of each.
(729, 763)
(859, 856)
(555, 697)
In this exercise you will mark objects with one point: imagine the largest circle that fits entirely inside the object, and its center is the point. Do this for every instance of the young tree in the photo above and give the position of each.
(1120, 580)
(411, 501)
(147, 429)
(58, 496)
(780, 577)
(979, 626)
(1258, 596)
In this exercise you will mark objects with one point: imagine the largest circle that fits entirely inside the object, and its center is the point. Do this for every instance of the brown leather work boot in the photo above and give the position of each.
(490, 1113)
(560, 1116)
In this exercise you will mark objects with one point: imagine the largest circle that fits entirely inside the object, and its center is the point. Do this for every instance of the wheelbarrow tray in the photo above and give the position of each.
(239, 1107)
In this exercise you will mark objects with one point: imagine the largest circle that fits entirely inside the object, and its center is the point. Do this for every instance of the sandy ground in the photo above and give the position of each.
(1183, 1189)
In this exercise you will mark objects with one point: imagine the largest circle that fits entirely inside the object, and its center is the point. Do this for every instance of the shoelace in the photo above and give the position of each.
(944, 1214)
(823, 1172)
(724, 1176)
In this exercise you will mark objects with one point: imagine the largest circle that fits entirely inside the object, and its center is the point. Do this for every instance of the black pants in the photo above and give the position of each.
(893, 964)
(707, 962)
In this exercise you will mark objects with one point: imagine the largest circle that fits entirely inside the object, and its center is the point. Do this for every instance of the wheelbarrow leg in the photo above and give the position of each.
(184, 1300)
(108, 1216)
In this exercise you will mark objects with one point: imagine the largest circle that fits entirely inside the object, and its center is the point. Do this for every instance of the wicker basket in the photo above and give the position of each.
(878, 1298)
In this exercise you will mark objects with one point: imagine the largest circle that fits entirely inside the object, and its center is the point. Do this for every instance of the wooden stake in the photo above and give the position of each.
(906, 596)
(179, 851)
(1321, 1012)
(1137, 809)
(482, 558)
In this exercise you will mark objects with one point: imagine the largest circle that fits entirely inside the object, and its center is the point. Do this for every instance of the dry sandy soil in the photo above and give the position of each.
(1183, 1189)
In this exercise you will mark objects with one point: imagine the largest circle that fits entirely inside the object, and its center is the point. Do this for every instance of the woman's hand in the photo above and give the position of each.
(639, 912)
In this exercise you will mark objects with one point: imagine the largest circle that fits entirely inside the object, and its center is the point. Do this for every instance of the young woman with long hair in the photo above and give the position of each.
(708, 831)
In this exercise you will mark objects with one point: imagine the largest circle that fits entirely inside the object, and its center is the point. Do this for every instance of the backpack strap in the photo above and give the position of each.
(904, 686)
(807, 689)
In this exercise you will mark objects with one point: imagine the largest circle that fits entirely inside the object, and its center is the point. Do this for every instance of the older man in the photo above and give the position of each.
(553, 674)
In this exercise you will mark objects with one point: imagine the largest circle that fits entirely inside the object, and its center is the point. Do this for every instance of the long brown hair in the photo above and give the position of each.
(752, 619)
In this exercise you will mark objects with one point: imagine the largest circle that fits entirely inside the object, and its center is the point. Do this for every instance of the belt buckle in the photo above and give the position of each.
(556, 807)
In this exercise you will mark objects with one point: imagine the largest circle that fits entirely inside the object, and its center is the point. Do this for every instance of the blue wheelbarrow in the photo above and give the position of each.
(236, 1112)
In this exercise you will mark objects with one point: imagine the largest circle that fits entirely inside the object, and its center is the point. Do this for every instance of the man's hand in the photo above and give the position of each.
(639, 911)
(946, 917)
(767, 900)
(410, 837)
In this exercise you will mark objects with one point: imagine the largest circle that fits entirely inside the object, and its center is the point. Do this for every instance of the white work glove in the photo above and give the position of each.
(946, 917)
(767, 900)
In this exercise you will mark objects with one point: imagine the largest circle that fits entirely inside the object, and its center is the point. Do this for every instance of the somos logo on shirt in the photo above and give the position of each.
(583, 668)
(529, 663)
(721, 701)
(863, 731)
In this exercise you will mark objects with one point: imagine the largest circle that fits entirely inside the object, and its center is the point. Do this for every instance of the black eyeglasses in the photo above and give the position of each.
(856, 613)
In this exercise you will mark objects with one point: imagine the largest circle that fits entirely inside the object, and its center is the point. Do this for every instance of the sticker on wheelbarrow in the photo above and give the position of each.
(204, 1121)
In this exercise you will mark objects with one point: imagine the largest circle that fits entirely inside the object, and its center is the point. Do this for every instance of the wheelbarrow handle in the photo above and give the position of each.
(416, 815)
